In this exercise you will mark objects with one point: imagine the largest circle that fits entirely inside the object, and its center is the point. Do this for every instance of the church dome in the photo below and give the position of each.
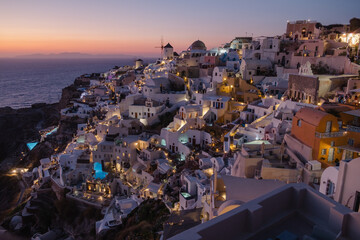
(197, 45)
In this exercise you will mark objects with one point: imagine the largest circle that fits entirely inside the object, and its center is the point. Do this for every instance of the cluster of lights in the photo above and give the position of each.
(351, 39)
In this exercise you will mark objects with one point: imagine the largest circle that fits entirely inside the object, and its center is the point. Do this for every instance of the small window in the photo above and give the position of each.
(323, 151)
(299, 123)
(316, 180)
(332, 143)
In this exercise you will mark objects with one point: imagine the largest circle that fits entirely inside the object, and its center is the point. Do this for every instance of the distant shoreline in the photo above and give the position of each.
(41, 80)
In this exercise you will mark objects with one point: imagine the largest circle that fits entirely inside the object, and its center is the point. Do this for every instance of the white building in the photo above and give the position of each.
(145, 108)
(342, 183)
(168, 51)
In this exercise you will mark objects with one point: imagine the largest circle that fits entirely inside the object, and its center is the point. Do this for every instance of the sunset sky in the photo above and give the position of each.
(135, 27)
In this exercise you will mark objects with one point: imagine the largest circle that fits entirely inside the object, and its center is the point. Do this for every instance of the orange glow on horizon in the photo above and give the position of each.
(91, 46)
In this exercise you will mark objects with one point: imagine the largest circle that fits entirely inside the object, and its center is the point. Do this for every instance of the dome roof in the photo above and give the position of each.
(197, 45)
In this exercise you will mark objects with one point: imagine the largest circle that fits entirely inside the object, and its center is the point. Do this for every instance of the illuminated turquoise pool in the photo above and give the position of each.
(31, 145)
(52, 131)
(99, 173)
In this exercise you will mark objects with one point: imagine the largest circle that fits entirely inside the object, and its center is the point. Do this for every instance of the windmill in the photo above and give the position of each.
(161, 46)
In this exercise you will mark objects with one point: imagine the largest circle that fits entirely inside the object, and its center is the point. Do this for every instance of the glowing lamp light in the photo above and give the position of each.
(353, 41)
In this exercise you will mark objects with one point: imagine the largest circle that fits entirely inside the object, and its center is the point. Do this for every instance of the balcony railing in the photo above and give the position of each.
(353, 128)
(330, 134)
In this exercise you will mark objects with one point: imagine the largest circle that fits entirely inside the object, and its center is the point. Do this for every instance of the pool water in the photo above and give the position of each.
(99, 173)
(31, 145)
(52, 131)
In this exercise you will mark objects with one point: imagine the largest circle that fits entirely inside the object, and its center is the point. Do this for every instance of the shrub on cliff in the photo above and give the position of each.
(142, 223)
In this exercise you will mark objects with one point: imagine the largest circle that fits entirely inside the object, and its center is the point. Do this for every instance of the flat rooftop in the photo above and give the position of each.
(294, 211)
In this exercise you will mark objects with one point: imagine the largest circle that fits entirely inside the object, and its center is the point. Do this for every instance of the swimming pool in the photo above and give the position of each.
(52, 131)
(31, 145)
(99, 173)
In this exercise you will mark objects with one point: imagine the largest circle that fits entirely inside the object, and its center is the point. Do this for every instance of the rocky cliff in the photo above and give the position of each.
(19, 126)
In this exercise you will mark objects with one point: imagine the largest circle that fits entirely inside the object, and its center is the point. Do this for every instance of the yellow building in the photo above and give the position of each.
(320, 131)
(238, 89)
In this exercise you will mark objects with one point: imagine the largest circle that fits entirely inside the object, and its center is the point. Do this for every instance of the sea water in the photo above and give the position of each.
(24, 82)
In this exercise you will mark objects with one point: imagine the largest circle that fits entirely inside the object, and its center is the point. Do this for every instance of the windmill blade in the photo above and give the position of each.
(161, 46)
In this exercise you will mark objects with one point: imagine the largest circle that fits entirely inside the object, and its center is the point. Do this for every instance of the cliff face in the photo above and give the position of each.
(19, 126)
(67, 95)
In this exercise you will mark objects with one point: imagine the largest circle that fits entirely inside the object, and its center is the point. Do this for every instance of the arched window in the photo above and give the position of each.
(299, 123)
(303, 32)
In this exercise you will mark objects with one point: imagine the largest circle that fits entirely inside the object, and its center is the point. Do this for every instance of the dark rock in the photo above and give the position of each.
(19, 126)
(69, 93)
(38, 105)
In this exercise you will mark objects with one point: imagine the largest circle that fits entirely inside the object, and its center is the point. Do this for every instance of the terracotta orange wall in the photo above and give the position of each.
(305, 133)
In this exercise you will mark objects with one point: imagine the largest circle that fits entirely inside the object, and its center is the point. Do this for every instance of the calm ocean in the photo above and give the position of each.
(24, 82)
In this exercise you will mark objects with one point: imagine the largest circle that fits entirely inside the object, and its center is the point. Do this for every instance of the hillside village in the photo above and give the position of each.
(254, 137)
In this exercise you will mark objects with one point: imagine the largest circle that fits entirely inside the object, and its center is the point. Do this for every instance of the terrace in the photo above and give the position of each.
(330, 134)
